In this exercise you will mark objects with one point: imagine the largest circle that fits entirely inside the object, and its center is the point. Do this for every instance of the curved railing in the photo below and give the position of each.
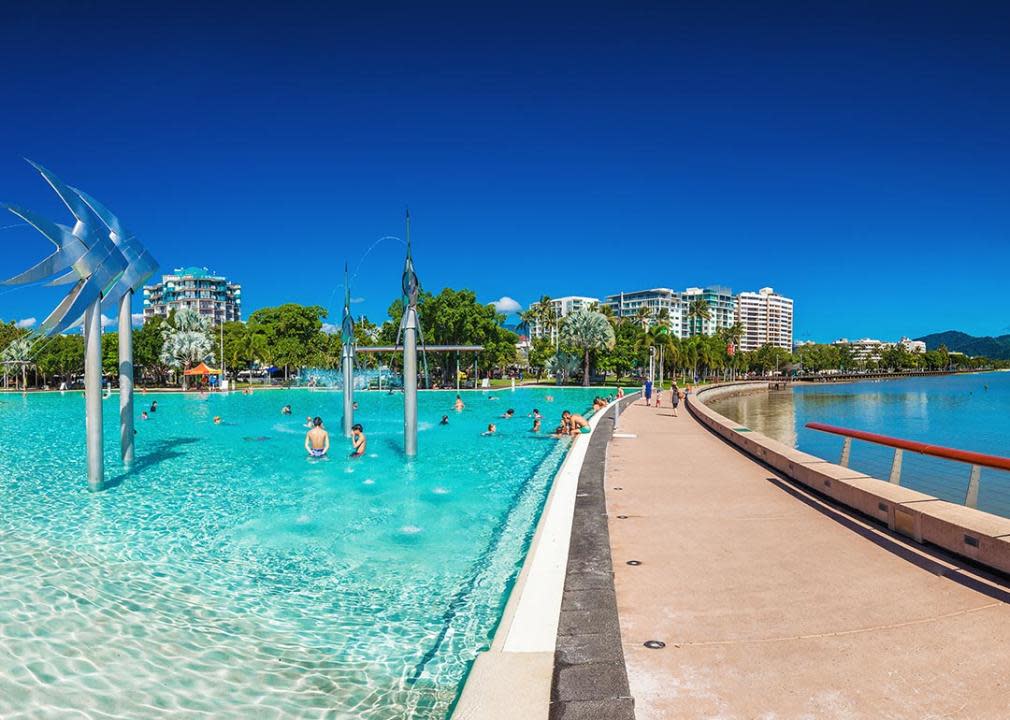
(975, 460)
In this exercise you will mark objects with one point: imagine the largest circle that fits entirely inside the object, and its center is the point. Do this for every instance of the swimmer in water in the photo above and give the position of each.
(308, 421)
(154, 406)
(491, 429)
(549, 398)
(354, 406)
(444, 420)
(317, 440)
(509, 413)
(458, 405)
(143, 415)
(286, 410)
(217, 419)
(536, 425)
(536, 415)
(359, 440)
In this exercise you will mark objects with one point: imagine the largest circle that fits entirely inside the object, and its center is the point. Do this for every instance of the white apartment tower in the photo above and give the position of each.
(766, 318)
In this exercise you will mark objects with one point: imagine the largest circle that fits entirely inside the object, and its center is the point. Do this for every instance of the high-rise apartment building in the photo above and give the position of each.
(562, 306)
(721, 310)
(766, 318)
(197, 289)
(657, 305)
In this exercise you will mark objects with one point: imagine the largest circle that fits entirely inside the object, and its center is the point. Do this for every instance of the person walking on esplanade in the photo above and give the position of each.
(675, 398)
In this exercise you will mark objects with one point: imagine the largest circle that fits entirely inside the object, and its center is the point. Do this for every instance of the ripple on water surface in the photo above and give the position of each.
(229, 575)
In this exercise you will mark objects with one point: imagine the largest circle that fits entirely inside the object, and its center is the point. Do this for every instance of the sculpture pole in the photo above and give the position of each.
(93, 393)
(347, 358)
(410, 381)
(409, 327)
(126, 377)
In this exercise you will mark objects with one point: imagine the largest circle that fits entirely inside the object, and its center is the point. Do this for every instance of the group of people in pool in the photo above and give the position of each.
(571, 423)
(317, 439)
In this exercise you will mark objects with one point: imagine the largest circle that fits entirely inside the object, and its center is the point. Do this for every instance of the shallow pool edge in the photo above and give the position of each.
(512, 679)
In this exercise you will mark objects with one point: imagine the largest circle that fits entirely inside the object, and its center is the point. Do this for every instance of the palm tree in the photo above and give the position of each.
(642, 316)
(588, 331)
(547, 317)
(186, 341)
(698, 312)
(18, 353)
(607, 311)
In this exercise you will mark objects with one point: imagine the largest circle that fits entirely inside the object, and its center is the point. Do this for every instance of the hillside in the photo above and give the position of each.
(997, 348)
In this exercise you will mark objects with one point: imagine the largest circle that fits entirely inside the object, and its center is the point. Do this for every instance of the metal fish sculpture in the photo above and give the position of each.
(95, 263)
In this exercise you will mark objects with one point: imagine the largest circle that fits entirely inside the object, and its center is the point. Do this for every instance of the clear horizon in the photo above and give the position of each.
(852, 158)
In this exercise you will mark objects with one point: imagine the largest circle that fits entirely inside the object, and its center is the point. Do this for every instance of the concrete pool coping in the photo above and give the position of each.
(979, 536)
(513, 678)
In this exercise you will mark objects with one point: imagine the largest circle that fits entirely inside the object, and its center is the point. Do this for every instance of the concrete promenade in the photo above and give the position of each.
(774, 604)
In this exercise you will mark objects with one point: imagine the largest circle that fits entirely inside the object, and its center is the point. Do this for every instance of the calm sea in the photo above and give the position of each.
(969, 412)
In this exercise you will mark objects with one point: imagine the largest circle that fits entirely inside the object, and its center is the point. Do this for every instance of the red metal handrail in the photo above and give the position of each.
(965, 456)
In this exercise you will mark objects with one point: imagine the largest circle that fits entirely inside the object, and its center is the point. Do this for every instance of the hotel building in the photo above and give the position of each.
(766, 318)
(721, 310)
(628, 304)
(197, 289)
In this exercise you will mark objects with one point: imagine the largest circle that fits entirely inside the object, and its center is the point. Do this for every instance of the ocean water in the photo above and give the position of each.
(229, 576)
(967, 412)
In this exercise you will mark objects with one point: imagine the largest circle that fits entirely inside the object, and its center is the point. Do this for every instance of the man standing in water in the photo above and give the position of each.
(317, 440)
(359, 440)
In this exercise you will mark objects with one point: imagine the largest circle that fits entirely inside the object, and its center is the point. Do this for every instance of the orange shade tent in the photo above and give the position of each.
(202, 369)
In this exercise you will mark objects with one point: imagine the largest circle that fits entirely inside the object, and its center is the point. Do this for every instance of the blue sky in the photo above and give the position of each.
(853, 156)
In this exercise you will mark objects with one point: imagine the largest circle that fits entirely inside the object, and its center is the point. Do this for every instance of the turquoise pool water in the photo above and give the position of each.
(230, 575)
(969, 412)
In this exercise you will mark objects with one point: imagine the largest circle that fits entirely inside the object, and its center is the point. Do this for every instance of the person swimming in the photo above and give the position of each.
(217, 419)
(444, 420)
(509, 413)
(154, 406)
(317, 440)
(536, 425)
(286, 410)
(354, 406)
(536, 415)
(458, 405)
(308, 421)
(143, 415)
(359, 440)
(491, 429)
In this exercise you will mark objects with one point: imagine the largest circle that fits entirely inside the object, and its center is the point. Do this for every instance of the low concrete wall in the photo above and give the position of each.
(980, 536)
(512, 679)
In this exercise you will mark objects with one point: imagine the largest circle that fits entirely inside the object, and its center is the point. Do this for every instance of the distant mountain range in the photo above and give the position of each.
(997, 348)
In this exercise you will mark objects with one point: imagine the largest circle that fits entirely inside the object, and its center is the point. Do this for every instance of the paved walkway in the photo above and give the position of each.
(774, 605)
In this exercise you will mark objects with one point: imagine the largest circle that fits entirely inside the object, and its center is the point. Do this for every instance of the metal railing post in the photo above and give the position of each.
(971, 498)
(896, 467)
(846, 449)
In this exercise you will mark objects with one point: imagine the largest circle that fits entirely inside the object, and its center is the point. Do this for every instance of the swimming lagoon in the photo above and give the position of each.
(228, 574)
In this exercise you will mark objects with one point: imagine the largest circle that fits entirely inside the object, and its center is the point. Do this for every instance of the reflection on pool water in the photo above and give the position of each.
(230, 575)
(968, 412)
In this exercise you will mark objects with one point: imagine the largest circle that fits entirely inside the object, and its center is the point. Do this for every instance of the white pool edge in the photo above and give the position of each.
(512, 679)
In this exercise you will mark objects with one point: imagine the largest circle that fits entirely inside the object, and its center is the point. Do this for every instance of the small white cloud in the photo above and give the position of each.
(506, 305)
(331, 329)
(108, 322)
(137, 319)
(26, 322)
(357, 300)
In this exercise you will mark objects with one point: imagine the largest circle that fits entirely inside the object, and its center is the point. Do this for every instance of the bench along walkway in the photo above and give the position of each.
(774, 604)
